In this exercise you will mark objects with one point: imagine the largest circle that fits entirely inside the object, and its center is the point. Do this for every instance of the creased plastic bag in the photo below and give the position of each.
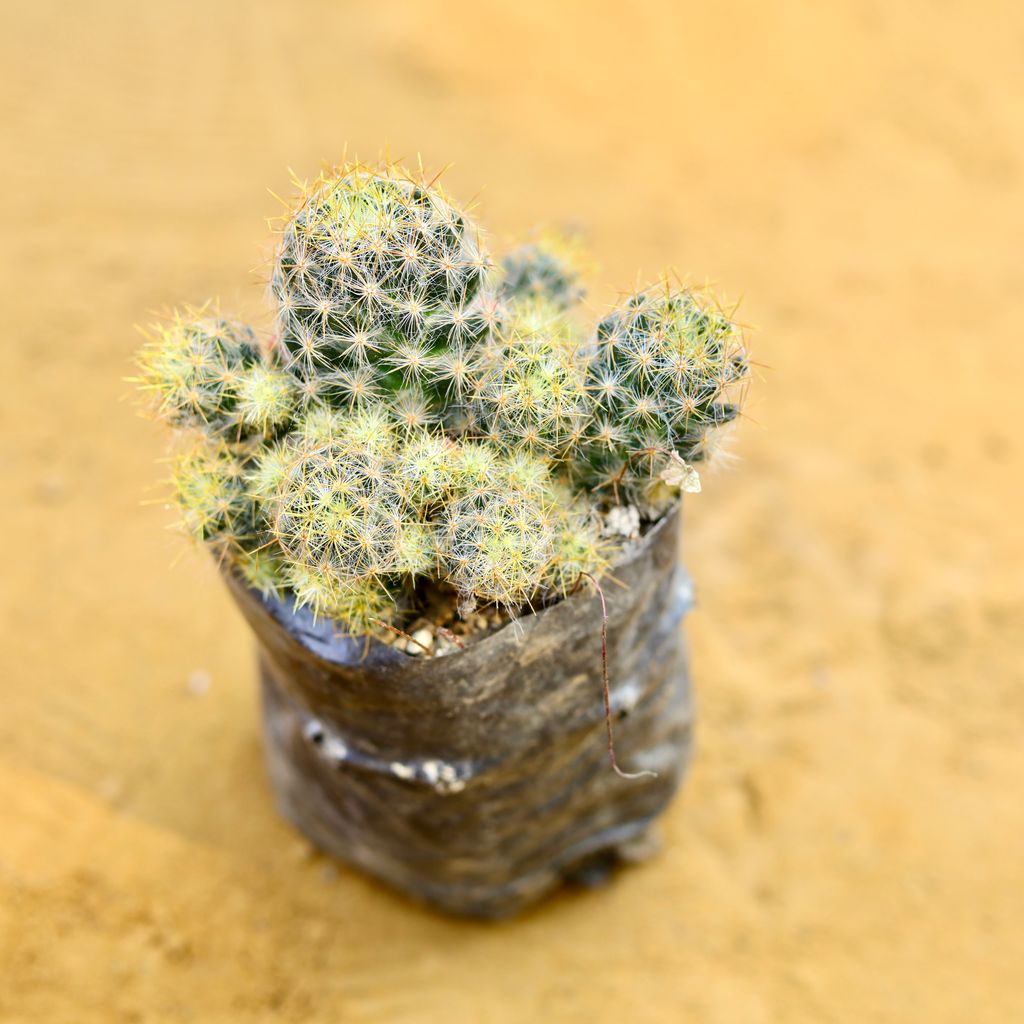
(478, 781)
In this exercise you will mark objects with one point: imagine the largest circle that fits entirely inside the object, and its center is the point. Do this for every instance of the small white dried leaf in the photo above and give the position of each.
(680, 475)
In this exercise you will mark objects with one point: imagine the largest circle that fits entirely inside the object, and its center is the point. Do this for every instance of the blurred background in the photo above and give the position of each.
(850, 843)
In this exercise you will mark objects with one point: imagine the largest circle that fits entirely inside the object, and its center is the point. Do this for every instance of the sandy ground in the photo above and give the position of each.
(850, 846)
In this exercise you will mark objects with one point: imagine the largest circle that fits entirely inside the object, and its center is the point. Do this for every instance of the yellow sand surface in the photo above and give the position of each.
(850, 844)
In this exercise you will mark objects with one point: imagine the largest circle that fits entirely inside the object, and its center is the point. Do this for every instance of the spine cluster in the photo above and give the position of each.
(423, 414)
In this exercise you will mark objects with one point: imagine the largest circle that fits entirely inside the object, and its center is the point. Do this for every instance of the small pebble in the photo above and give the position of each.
(198, 682)
(177, 947)
(445, 646)
(622, 521)
(51, 490)
(111, 789)
(334, 749)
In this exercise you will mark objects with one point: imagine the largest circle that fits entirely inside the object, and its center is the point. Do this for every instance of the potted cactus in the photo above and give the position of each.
(450, 513)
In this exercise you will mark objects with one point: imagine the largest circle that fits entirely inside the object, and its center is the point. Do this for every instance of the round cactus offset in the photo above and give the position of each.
(665, 374)
(378, 280)
(193, 367)
(550, 268)
(530, 390)
(209, 482)
(495, 547)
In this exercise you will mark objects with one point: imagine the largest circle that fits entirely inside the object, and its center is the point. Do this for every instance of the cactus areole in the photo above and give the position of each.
(447, 500)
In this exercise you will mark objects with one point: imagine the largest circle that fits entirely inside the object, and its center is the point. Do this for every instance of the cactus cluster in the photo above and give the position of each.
(423, 414)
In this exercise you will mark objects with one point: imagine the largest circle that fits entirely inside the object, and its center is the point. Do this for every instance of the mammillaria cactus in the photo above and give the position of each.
(265, 398)
(549, 268)
(530, 390)
(377, 280)
(194, 366)
(664, 376)
(424, 420)
(210, 485)
(495, 547)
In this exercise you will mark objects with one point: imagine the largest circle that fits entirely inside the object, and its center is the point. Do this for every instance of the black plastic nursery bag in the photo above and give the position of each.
(479, 780)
